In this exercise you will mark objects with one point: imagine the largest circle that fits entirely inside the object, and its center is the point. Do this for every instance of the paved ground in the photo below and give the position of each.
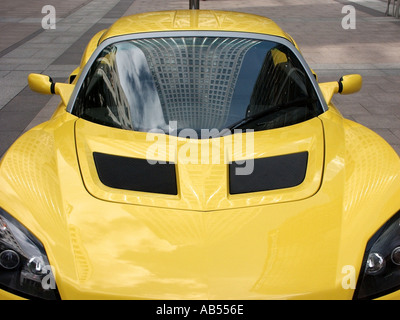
(371, 49)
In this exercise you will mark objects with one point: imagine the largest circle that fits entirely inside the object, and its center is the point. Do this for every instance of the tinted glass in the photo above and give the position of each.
(197, 83)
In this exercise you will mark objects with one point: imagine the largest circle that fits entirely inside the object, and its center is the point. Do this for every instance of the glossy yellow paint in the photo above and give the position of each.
(203, 182)
(4, 295)
(209, 20)
(44, 84)
(180, 20)
(250, 248)
(40, 83)
(203, 243)
(348, 84)
(329, 89)
(92, 45)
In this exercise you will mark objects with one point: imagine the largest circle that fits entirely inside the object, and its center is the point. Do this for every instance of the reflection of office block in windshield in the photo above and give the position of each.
(281, 95)
(198, 83)
(196, 77)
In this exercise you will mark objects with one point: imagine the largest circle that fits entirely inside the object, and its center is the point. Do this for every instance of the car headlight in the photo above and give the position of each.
(24, 267)
(380, 271)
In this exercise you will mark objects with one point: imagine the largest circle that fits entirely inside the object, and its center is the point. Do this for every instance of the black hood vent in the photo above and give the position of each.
(270, 173)
(135, 174)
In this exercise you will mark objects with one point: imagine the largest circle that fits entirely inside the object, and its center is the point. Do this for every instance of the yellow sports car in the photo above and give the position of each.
(195, 155)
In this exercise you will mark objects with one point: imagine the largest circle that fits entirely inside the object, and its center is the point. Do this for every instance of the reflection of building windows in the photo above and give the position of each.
(195, 77)
(118, 106)
(281, 82)
(201, 83)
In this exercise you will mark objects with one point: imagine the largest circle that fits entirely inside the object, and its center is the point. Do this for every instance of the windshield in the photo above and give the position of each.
(197, 83)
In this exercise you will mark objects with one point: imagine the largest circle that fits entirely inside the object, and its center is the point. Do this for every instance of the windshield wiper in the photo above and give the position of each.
(271, 110)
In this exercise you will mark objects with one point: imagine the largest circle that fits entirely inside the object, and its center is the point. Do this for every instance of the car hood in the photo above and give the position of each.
(195, 244)
(167, 171)
(292, 242)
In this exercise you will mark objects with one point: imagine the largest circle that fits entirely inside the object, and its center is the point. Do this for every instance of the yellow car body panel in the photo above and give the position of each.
(185, 20)
(203, 181)
(294, 249)
(204, 20)
(203, 243)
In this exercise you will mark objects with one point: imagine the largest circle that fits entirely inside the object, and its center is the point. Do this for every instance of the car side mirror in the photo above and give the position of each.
(44, 84)
(348, 84)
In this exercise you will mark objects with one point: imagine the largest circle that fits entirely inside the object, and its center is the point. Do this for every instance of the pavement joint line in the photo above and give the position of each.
(76, 24)
(374, 5)
(371, 13)
(40, 66)
(37, 32)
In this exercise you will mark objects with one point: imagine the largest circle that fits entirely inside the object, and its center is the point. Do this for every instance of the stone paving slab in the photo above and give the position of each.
(19, 20)
(38, 53)
(372, 49)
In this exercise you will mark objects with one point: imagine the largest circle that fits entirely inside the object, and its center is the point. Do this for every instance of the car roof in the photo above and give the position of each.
(194, 20)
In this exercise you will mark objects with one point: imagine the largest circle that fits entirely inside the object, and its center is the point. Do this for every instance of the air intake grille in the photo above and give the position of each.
(270, 173)
(135, 174)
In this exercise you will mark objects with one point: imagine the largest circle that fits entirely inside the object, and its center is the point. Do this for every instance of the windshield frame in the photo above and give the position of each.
(194, 33)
